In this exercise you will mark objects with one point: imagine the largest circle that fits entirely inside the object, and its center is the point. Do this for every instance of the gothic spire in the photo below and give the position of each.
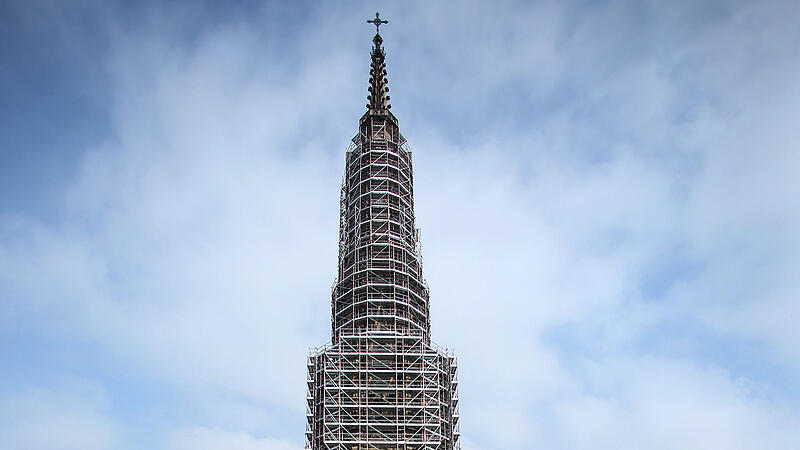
(378, 97)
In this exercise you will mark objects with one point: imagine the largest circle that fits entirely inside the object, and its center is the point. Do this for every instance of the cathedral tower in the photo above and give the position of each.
(380, 383)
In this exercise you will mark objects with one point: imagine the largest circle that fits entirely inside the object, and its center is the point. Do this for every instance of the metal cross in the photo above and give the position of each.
(377, 22)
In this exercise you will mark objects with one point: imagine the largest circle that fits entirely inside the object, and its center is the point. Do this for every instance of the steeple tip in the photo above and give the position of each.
(378, 89)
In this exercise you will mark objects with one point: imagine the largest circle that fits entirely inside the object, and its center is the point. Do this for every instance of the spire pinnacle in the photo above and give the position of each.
(378, 89)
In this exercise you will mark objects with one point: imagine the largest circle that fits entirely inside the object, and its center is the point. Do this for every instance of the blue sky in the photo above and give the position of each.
(607, 193)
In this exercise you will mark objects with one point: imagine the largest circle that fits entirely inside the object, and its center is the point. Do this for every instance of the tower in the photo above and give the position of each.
(380, 383)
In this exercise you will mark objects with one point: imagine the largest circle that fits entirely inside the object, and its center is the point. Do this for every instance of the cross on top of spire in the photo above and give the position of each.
(378, 98)
(377, 22)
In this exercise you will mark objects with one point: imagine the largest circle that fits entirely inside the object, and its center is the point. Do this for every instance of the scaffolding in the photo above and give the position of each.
(382, 392)
(380, 383)
(380, 283)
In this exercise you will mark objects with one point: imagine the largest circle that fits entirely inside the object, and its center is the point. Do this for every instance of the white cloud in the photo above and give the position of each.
(57, 420)
(665, 405)
(213, 439)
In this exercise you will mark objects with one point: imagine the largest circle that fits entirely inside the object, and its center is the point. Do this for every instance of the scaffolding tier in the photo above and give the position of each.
(382, 391)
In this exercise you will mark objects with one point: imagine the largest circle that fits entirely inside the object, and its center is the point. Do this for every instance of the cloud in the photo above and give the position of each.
(206, 438)
(181, 250)
(663, 404)
(57, 420)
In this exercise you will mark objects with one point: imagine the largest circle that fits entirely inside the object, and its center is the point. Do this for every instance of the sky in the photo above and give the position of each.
(607, 193)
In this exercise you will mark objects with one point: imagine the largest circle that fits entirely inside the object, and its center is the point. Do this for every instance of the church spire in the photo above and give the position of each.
(380, 383)
(378, 97)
